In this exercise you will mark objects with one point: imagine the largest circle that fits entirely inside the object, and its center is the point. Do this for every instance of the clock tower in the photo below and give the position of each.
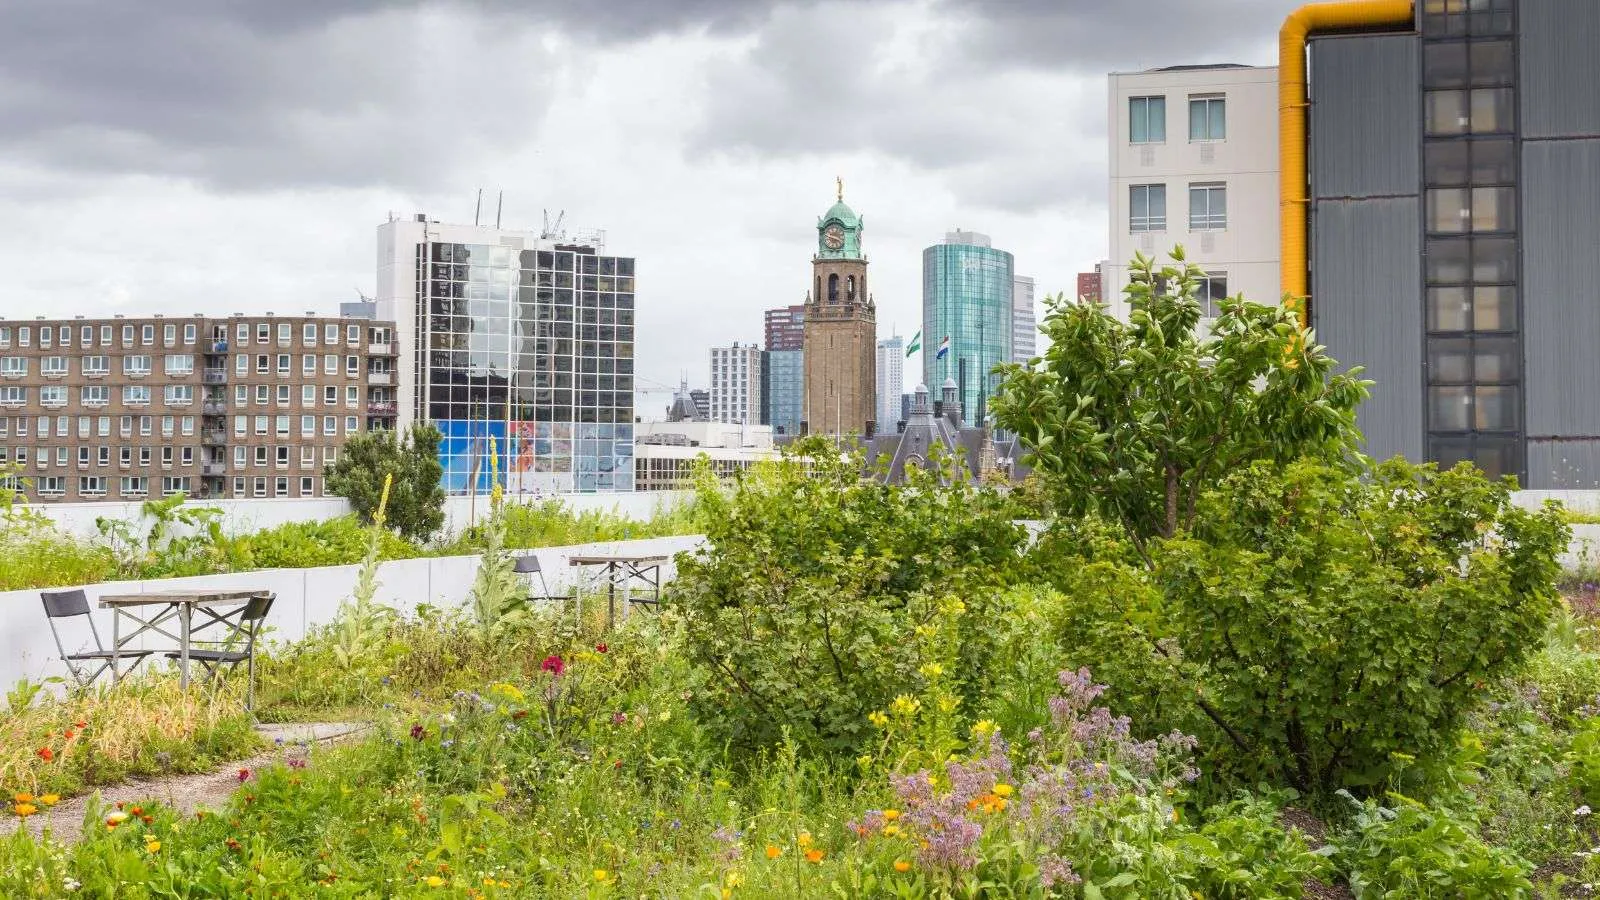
(840, 330)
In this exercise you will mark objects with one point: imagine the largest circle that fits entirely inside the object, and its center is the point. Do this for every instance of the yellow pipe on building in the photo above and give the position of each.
(1292, 103)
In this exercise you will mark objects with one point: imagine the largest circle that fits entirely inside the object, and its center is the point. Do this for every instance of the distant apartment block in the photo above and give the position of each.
(247, 406)
(786, 327)
(1024, 321)
(1089, 285)
(736, 384)
(891, 379)
(1194, 162)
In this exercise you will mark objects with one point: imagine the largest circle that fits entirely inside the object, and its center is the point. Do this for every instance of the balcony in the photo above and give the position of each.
(380, 378)
(213, 468)
(215, 376)
(214, 437)
(214, 408)
(380, 349)
(382, 408)
(219, 346)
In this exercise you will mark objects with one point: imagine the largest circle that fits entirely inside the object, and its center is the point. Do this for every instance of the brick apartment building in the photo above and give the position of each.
(246, 406)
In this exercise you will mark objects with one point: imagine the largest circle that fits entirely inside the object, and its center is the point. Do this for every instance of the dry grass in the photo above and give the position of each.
(144, 727)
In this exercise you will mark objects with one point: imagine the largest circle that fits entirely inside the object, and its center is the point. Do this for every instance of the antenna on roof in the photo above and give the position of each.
(498, 206)
(552, 231)
(477, 211)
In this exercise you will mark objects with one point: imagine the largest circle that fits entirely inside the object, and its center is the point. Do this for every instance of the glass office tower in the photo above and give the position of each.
(966, 297)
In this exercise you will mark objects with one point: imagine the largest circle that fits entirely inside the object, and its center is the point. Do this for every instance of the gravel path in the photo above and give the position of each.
(187, 793)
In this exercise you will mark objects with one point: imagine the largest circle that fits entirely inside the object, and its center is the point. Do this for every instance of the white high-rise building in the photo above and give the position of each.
(1194, 162)
(891, 381)
(736, 384)
(1024, 325)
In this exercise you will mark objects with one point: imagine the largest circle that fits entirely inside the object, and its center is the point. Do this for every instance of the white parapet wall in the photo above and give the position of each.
(306, 598)
(255, 514)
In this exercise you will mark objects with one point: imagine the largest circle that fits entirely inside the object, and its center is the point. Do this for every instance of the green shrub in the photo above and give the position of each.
(802, 610)
(1411, 851)
(300, 545)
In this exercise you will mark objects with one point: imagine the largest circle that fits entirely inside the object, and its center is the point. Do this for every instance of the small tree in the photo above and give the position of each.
(1132, 420)
(416, 502)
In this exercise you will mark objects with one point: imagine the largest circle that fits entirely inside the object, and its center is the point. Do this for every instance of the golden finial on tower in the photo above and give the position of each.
(839, 181)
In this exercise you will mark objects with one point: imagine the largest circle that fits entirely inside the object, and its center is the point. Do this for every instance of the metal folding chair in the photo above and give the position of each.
(71, 604)
(243, 620)
(529, 565)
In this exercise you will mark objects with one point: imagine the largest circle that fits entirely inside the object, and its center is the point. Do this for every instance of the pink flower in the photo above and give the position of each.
(244, 775)
(553, 664)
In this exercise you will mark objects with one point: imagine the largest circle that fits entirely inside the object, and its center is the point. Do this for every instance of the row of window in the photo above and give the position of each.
(52, 486)
(308, 334)
(308, 425)
(96, 425)
(1208, 207)
(134, 366)
(61, 335)
(308, 365)
(263, 456)
(1147, 118)
(265, 393)
(94, 395)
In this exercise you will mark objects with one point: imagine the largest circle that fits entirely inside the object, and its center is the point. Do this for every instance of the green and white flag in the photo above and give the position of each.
(915, 345)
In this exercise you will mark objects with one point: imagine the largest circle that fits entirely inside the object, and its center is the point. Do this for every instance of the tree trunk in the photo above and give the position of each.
(1171, 526)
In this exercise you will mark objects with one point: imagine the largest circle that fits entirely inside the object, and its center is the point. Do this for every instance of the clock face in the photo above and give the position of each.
(833, 237)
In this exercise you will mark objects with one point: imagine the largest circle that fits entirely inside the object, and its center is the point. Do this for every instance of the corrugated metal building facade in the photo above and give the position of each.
(1455, 234)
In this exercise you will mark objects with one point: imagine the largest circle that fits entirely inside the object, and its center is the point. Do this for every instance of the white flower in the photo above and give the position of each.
(1583, 810)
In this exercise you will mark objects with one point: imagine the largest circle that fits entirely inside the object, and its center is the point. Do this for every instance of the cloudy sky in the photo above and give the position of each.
(185, 156)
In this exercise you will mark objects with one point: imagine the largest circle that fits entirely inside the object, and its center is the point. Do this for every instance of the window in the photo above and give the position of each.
(352, 366)
(94, 395)
(1463, 210)
(330, 396)
(263, 333)
(83, 457)
(352, 396)
(135, 486)
(308, 426)
(127, 335)
(186, 456)
(241, 364)
(169, 425)
(178, 395)
(330, 364)
(1208, 207)
(136, 366)
(147, 335)
(261, 425)
(308, 364)
(53, 367)
(105, 335)
(307, 486)
(1478, 111)
(1147, 207)
(308, 334)
(144, 430)
(1147, 120)
(263, 362)
(308, 395)
(5, 335)
(283, 365)
(179, 364)
(352, 334)
(166, 457)
(308, 455)
(351, 425)
(330, 425)
(49, 485)
(188, 333)
(281, 426)
(46, 337)
(53, 395)
(186, 426)
(281, 486)
(241, 424)
(174, 485)
(103, 456)
(125, 426)
(238, 487)
(91, 486)
(261, 457)
(1211, 290)
(243, 332)
(282, 454)
(1208, 118)
(86, 336)
(13, 366)
(96, 366)
(241, 395)
(260, 487)
(283, 395)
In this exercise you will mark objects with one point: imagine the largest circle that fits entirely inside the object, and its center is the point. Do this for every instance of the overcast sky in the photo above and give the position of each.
(185, 156)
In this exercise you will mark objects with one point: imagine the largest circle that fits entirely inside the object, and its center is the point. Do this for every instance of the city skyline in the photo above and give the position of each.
(248, 179)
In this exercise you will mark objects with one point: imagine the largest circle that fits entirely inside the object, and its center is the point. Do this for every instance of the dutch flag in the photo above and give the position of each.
(944, 348)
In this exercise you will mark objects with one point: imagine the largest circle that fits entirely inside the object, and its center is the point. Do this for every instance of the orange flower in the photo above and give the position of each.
(46, 754)
(774, 851)
(50, 799)
(814, 855)
(25, 810)
(23, 798)
(901, 865)
(70, 734)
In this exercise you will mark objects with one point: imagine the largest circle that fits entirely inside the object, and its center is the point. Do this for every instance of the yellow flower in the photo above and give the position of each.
(23, 798)
(774, 851)
(25, 810)
(905, 705)
(878, 718)
(814, 856)
(116, 818)
(982, 729)
(864, 760)
(804, 840)
(50, 799)
(433, 881)
(1003, 790)
(901, 865)
(932, 670)
(601, 874)
(488, 882)
(891, 830)
(891, 814)
(734, 879)
(727, 894)
(153, 846)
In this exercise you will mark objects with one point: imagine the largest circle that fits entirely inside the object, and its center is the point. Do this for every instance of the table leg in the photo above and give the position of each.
(611, 596)
(184, 620)
(116, 645)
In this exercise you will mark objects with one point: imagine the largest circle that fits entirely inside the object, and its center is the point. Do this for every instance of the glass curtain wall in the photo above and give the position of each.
(533, 349)
(967, 298)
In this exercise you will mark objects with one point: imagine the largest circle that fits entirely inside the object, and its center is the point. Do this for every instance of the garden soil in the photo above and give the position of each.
(187, 793)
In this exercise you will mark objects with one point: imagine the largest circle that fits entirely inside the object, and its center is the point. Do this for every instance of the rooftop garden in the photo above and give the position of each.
(1240, 661)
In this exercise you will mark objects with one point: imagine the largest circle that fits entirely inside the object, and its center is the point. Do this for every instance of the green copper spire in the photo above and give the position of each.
(839, 230)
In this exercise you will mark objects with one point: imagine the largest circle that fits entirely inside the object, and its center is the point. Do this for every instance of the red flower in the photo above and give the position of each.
(244, 775)
(418, 732)
(46, 754)
(520, 714)
(70, 734)
(553, 664)
(601, 648)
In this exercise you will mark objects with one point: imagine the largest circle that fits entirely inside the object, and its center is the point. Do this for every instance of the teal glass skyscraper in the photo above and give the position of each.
(966, 299)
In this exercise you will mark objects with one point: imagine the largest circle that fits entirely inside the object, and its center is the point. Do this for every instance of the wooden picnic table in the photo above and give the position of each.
(625, 570)
(180, 604)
